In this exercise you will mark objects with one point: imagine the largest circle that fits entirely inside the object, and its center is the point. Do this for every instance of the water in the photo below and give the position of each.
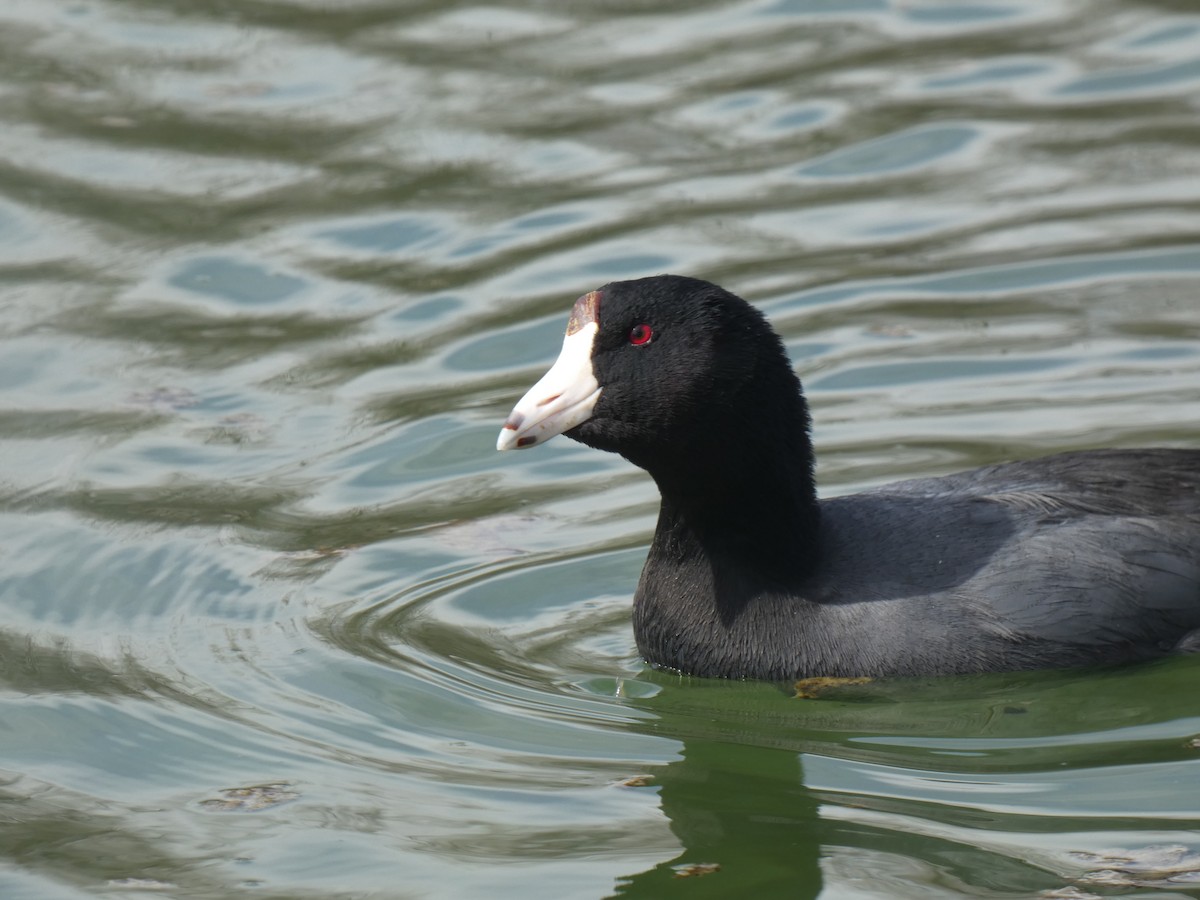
(275, 620)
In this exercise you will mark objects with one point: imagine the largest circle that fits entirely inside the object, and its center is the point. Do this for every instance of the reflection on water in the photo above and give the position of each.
(275, 616)
(997, 785)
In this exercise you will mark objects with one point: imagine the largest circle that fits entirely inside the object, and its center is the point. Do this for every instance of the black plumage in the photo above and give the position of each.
(1079, 558)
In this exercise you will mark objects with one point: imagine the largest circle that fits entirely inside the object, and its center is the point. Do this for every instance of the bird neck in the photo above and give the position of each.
(747, 499)
(734, 547)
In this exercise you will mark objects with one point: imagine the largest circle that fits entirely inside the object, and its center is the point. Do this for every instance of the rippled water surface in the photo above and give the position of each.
(276, 620)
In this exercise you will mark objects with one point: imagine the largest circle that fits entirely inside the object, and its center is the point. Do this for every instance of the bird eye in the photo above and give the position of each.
(640, 334)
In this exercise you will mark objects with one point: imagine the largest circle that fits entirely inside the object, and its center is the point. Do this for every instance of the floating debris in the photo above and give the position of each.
(1068, 893)
(694, 870)
(811, 688)
(251, 799)
(237, 428)
(1156, 866)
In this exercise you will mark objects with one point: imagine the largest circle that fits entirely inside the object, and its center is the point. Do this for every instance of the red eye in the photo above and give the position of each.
(640, 334)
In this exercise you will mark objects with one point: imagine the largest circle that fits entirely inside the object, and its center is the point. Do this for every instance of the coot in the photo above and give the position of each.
(1079, 558)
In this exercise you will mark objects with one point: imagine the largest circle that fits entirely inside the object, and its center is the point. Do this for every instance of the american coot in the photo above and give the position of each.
(1078, 558)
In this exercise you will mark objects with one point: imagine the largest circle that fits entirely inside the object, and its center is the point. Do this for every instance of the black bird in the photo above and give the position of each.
(1079, 558)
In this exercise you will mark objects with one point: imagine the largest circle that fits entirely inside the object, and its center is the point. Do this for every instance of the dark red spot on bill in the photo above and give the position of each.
(585, 311)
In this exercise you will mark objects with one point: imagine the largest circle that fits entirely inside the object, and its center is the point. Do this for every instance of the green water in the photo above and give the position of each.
(277, 621)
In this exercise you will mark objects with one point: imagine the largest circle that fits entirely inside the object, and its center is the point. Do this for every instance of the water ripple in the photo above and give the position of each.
(276, 616)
